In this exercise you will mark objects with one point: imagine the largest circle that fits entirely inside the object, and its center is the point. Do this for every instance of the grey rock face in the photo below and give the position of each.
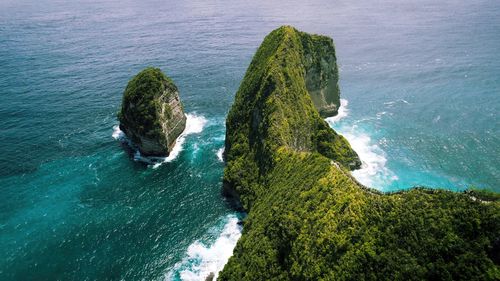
(322, 74)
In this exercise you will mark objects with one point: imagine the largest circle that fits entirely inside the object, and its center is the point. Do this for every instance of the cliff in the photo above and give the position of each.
(152, 115)
(308, 219)
(321, 72)
(273, 108)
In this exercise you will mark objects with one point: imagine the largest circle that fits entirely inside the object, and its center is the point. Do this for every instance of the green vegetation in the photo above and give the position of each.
(141, 104)
(310, 220)
(273, 109)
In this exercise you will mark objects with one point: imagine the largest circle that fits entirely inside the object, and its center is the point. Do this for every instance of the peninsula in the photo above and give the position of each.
(308, 218)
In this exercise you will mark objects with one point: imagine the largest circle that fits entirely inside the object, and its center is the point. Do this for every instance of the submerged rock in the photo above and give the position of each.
(152, 115)
(210, 277)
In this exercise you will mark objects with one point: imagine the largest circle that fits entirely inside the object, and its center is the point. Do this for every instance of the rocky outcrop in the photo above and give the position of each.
(274, 108)
(152, 115)
(322, 74)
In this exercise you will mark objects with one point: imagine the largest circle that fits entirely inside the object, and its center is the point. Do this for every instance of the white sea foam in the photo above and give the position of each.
(343, 112)
(220, 153)
(373, 172)
(194, 125)
(202, 259)
(117, 133)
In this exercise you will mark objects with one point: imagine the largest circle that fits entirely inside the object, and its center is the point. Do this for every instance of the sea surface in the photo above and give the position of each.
(420, 83)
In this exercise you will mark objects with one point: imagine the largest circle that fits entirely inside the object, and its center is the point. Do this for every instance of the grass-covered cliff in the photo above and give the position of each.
(309, 219)
(273, 109)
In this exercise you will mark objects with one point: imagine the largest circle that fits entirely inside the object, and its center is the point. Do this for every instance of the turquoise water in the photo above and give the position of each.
(421, 80)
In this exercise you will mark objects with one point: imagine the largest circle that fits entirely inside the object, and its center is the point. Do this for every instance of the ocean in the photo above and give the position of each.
(420, 83)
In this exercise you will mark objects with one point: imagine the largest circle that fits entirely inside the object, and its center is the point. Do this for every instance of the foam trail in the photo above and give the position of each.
(194, 125)
(380, 114)
(220, 153)
(343, 112)
(392, 103)
(201, 259)
(373, 172)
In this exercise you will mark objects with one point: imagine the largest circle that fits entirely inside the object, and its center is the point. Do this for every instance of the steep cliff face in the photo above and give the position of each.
(322, 74)
(152, 115)
(309, 219)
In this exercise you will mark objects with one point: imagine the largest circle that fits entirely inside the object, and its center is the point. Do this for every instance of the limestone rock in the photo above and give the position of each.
(322, 74)
(152, 115)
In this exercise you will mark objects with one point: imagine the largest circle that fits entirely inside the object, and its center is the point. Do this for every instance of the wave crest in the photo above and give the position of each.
(373, 172)
(202, 259)
(342, 113)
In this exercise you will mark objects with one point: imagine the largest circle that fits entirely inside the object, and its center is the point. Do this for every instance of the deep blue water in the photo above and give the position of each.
(422, 81)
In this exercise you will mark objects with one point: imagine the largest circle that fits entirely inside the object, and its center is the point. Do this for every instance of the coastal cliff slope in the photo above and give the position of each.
(309, 219)
(274, 109)
(152, 115)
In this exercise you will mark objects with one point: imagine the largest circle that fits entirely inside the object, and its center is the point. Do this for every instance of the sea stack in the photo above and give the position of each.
(152, 115)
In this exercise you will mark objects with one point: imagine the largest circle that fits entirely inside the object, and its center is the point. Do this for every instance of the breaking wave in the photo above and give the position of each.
(194, 125)
(342, 113)
(220, 154)
(202, 259)
(373, 172)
